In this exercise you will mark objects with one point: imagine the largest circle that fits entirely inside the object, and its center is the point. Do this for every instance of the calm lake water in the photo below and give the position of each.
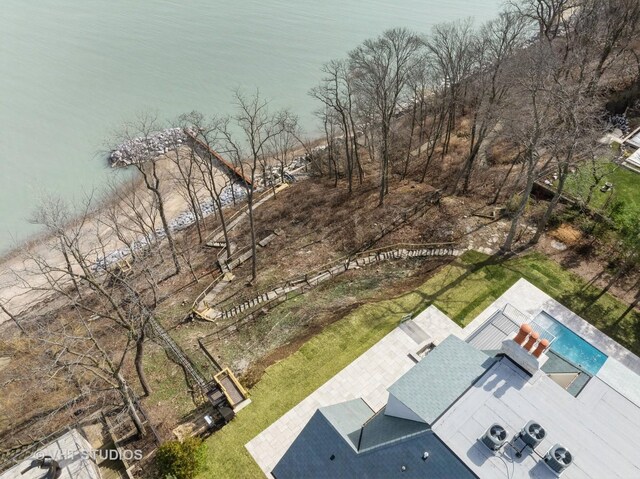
(71, 71)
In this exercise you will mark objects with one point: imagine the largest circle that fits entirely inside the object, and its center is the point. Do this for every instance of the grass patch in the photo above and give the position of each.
(308, 313)
(288, 382)
(625, 185)
(461, 290)
(167, 383)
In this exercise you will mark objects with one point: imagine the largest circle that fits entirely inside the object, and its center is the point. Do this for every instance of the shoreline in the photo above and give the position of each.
(16, 297)
(19, 299)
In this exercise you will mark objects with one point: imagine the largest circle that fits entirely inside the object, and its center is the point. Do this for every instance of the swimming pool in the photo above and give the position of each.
(571, 346)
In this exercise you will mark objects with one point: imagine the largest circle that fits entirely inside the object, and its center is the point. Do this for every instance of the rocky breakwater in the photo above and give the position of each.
(148, 147)
(183, 220)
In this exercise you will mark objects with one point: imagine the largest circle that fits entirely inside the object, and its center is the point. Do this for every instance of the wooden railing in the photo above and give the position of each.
(234, 169)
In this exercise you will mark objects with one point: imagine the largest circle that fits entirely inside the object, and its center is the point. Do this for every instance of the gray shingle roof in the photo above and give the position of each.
(356, 423)
(310, 456)
(432, 385)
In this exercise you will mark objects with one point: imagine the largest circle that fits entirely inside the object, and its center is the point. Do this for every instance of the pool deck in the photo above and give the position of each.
(621, 370)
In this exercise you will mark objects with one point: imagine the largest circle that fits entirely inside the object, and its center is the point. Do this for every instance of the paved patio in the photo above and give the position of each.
(367, 377)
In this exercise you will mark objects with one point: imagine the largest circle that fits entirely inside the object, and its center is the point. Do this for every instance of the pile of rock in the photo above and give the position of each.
(146, 148)
(299, 162)
(620, 122)
(158, 144)
(187, 218)
(182, 221)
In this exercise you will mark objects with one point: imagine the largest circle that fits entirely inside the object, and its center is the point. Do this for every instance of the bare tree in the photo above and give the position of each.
(547, 15)
(432, 123)
(212, 173)
(257, 127)
(418, 89)
(493, 47)
(186, 176)
(87, 280)
(617, 27)
(336, 93)
(329, 124)
(77, 352)
(565, 154)
(12, 317)
(281, 147)
(574, 135)
(132, 216)
(529, 125)
(451, 48)
(146, 162)
(380, 71)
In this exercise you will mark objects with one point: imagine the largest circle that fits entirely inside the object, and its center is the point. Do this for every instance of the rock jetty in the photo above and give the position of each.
(146, 148)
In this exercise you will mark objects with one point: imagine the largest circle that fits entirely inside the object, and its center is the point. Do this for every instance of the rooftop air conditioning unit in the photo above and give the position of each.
(558, 458)
(532, 434)
(495, 437)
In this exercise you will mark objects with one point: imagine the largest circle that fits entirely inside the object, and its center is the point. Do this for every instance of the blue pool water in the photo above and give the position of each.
(571, 346)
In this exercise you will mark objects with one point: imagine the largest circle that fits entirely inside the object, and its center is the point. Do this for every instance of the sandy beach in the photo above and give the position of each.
(18, 297)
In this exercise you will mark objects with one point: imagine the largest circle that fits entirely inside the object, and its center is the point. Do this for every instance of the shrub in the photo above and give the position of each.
(586, 250)
(513, 204)
(181, 459)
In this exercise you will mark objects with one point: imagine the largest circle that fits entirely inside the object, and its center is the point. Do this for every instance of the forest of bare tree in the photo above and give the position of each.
(475, 111)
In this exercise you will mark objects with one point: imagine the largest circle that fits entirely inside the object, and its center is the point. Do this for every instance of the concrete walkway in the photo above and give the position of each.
(367, 377)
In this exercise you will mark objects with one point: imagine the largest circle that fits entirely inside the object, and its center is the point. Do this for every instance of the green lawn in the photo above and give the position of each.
(166, 379)
(461, 290)
(625, 185)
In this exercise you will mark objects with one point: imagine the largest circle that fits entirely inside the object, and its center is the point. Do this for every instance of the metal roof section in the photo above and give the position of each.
(356, 423)
(319, 452)
(489, 336)
(599, 427)
(506, 321)
(347, 419)
(382, 430)
(433, 384)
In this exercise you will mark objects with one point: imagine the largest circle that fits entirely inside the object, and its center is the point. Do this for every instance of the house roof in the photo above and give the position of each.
(599, 426)
(347, 419)
(69, 450)
(356, 423)
(437, 381)
(382, 430)
(321, 451)
(457, 392)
